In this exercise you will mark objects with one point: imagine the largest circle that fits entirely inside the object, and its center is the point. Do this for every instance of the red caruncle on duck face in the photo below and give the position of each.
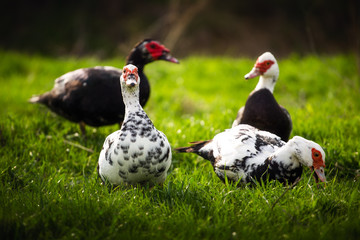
(317, 158)
(263, 66)
(318, 165)
(156, 50)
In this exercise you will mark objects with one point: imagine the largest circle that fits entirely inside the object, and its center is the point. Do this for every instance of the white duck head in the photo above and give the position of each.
(130, 77)
(267, 68)
(309, 154)
(129, 81)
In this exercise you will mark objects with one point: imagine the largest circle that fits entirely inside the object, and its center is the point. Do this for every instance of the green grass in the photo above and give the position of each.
(50, 188)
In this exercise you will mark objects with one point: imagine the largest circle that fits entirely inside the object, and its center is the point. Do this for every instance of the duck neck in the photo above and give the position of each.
(283, 165)
(287, 156)
(137, 58)
(266, 82)
(131, 100)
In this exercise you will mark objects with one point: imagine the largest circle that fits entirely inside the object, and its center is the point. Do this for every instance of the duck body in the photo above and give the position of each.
(138, 153)
(261, 109)
(91, 95)
(263, 112)
(245, 154)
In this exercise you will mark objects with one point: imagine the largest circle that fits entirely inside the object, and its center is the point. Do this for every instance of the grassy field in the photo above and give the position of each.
(50, 188)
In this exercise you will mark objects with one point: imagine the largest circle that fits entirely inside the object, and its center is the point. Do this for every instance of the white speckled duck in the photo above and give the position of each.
(137, 153)
(245, 154)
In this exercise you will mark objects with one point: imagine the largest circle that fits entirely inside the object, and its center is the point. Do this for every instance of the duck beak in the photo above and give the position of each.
(254, 73)
(167, 57)
(131, 80)
(319, 174)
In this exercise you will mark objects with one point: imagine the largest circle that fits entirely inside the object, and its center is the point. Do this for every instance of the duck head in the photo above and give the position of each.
(150, 50)
(311, 155)
(267, 68)
(130, 76)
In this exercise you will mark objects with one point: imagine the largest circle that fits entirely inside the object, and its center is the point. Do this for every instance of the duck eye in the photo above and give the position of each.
(268, 63)
(153, 46)
(316, 154)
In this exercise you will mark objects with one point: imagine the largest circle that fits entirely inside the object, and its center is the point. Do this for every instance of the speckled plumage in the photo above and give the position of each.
(91, 95)
(261, 109)
(244, 153)
(137, 153)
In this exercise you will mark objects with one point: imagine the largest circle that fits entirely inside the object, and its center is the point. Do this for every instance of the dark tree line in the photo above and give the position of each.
(112, 27)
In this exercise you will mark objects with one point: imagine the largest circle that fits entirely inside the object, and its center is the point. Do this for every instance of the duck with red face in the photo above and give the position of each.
(138, 153)
(245, 154)
(261, 109)
(91, 96)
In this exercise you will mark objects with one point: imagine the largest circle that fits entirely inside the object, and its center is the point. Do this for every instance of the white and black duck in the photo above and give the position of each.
(137, 153)
(91, 95)
(245, 154)
(261, 109)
